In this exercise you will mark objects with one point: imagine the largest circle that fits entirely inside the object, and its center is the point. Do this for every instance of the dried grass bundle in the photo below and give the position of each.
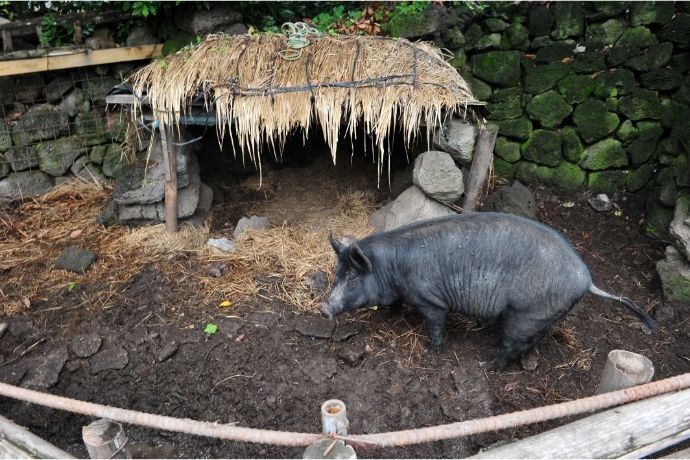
(339, 82)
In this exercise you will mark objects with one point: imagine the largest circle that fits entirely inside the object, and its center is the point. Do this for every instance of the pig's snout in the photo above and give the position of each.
(325, 312)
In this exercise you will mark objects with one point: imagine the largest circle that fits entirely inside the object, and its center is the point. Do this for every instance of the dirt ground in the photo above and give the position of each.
(265, 368)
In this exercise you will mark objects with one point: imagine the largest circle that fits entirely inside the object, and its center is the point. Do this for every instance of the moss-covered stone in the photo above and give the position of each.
(480, 90)
(507, 150)
(541, 78)
(641, 104)
(515, 37)
(643, 145)
(56, 157)
(621, 53)
(668, 194)
(607, 32)
(666, 158)
(91, 127)
(4, 166)
(571, 145)
(459, 59)
(664, 176)
(639, 177)
(540, 42)
(495, 24)
(531, 173)
(539, 20)
(603, 9)
(668, 148)
(490, 41)
(453, 38)
(658, 219)
(643, 13)
(680, 62)
(543, 147)
(503, 168)
(626, 131)
(472, 35)
(517, 128)
(672, 111)
(549, 109)
(681, 171)
(506, 94)
(639, 36)
(606, 181)
(652, 58)
(569, 20)
(589, 62)
(411, 24)
(499, 67)
(555, 52)
(177, 41)
(567, 177)
(40, 122)
(5, 136)
(605, 154)
(614, 83)
(593, 121)
(661, 79)
(509, 107)
(677, 30)
(576, 88)
(674, 272)
(97, 153)
(683, 93)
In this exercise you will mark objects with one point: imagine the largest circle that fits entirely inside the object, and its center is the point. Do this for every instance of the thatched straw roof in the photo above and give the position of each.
(262, 90)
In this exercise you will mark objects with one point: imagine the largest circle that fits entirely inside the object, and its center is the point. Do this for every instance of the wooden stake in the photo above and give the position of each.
(105, 439)
(170, 167)
(483, 154)
(624, 369)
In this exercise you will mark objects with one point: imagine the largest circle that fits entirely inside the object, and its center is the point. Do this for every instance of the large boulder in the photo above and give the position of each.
(543, 147)
(437, 175)
(457, 138)
(499, 67)
(56, 157)
(680, 226)
(594, 121)
(549, 108)
(411, 206)
(605, 154)
(200, 21)
(40, 122)
(674, 272)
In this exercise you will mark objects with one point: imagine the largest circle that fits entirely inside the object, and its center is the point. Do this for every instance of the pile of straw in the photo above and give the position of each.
(259, 93)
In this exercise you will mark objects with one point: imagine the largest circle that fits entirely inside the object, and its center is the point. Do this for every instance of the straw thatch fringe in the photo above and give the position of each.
(261, 96)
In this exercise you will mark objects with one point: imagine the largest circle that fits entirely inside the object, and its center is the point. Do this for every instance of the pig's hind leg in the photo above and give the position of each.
(521, 332)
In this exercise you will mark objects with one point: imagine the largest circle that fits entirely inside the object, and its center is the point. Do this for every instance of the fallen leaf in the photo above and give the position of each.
(70, 286)
(27, 302)
(239, 338)
(211, 328)
(75, 234)
(225, 304)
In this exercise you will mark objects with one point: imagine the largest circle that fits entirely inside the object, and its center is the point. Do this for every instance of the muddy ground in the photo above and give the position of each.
(271, 366)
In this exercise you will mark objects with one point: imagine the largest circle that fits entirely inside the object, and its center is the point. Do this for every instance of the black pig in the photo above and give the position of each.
(484, 265)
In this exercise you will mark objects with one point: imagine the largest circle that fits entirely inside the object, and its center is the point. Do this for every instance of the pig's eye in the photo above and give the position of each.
(350, 277)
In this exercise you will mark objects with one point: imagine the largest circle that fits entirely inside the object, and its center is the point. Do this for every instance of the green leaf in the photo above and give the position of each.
(70, 286)
(210, 329)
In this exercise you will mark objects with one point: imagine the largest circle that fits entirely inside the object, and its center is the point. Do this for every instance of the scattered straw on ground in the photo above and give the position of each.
(338, 82)
(34, 234)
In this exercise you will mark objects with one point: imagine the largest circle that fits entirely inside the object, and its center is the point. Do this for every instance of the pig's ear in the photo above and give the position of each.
(358, 259)
(337, 245)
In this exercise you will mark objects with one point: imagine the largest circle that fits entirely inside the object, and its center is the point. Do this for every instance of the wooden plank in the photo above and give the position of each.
(17, 442)
(483, 154)
(685, 453)
(170, 167)
(55, 61)
(609, 434)
(661, 444)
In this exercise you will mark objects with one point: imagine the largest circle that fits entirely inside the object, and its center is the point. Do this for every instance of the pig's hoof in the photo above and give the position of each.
(493, 365)
(435, 348)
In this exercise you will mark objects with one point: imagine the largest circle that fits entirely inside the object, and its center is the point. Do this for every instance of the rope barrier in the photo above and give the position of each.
(297, 33)
(395, 438)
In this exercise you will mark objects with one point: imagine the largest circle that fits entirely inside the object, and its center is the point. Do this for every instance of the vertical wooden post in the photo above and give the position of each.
(483, 154)
(7, 41)
(624, 369)
(170, 167)
(105, 439)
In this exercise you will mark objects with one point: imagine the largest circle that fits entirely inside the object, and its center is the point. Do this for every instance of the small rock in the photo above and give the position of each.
(223, 244)
(437, 175)
(74, 365)
(345, 331)
(44, 371)
(350, 353)
(108, 215)
(601, 203)
(317, 281)
(411, 206)
(167, 350)
(86, 345)
(229, 327)
(12, 375)
(314, 326)
(253, 223)
(20, 325)
(457, 138)
(664, 313)
(529, 361)
(3, 328)
(320, 370)
(515, 199)
(75, 259)
(217, 269)
(112, 358)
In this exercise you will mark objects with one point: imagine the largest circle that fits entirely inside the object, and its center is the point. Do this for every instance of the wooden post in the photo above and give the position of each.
(170, 167)
(639, 428)
(7, 41)
(105, 439)
(624, 369)
(17, 442)
(483, 154)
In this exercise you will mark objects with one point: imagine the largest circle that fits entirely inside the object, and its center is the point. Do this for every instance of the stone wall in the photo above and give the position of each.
(586, 95)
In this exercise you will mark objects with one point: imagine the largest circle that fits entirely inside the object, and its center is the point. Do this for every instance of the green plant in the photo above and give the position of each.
(141, 9)
(55, 33)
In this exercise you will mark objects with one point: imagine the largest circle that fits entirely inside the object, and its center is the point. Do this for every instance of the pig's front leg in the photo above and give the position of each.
(435, 320)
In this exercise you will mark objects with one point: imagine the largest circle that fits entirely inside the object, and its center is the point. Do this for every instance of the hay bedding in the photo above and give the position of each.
(340, 83)
(33, 235)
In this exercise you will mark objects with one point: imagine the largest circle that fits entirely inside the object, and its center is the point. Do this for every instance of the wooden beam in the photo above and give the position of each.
(609, 434)
(483, 154)
(57, 59)
(28, 27)
(18, 442)
(170, 167)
